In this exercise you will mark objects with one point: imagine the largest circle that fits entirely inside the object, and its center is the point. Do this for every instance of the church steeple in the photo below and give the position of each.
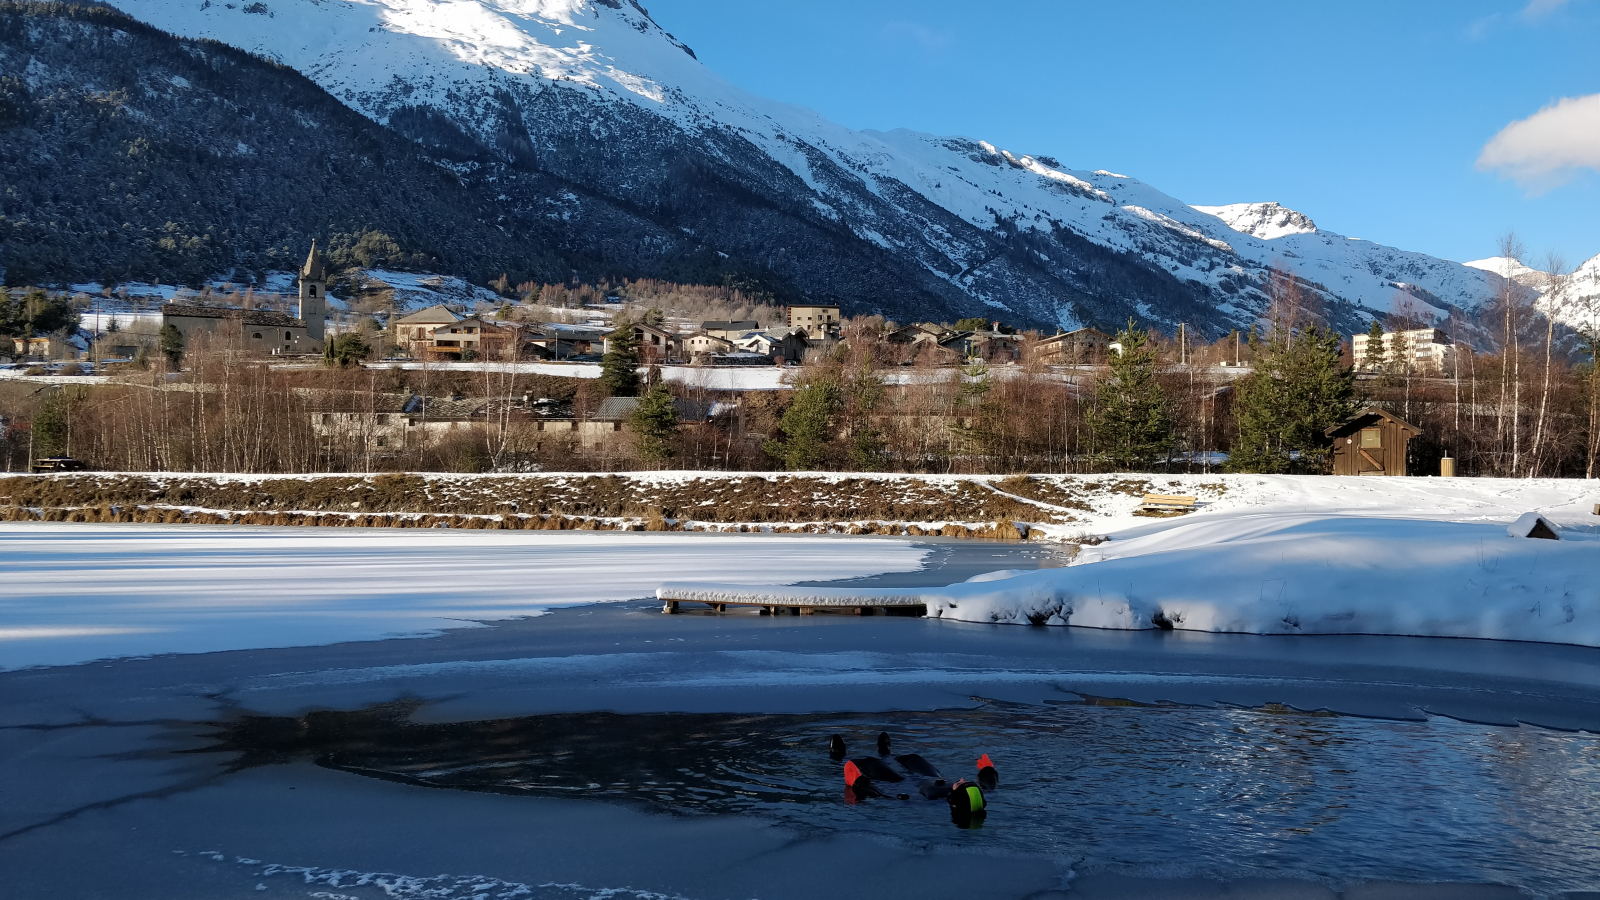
(314, 269)
(314, 293)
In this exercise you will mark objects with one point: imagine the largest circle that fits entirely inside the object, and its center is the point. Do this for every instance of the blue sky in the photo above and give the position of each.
(1370, 117)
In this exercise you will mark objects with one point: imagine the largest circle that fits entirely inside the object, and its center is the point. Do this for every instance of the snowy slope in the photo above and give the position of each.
(536, 79)
(1579, 308)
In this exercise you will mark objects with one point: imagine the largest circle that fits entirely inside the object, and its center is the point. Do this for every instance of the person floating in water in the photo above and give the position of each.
(968, 805)
(988, 776)
(968, 808)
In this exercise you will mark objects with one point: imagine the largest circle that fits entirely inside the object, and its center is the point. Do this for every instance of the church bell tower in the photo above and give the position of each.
(314, 294)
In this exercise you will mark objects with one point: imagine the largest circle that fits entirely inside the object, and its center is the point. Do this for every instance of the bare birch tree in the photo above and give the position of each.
(1557, 281)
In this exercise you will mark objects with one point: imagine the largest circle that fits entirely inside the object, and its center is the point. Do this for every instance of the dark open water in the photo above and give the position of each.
(1227, 793)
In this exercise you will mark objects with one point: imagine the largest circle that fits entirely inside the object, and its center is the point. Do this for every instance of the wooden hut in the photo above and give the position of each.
(1372, 442)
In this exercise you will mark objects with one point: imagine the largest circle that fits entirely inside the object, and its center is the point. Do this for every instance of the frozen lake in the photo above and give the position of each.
(609, 751)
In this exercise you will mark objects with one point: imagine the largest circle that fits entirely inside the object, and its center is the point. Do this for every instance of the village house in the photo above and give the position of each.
(558, 341)
(45, 346)
(781, 345)
(610, 420)
(702, 345)
(820, 322)
(414, 333)
(989, 346)
(470, 338)
(392, 422)
(1085, 346)
(655, 344)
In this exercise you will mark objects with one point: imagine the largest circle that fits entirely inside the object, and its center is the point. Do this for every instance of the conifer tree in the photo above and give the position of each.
(170, 342)
(1129, 425)
(1300, 388)
(619, 368)
(807, 425)
(654, 423)
(344, 350)
(862, 395)
(1375, 360)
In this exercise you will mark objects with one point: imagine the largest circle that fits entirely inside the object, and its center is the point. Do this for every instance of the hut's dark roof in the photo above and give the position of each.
(1365, 417)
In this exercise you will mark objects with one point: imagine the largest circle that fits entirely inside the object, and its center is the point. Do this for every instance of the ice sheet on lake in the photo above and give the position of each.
(75, 592)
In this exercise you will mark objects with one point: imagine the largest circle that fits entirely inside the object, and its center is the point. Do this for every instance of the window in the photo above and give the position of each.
(383, 442)
(256, 335)
(1372, 438)
(383, 418)
(327, 418)
(616, 426)
(288, 336)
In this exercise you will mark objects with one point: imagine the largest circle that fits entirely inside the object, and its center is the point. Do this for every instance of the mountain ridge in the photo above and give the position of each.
(595, 95)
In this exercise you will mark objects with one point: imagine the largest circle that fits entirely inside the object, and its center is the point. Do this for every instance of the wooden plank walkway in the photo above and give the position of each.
(793, 601)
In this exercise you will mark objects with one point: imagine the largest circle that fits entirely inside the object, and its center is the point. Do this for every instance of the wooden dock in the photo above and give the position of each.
(793, 601)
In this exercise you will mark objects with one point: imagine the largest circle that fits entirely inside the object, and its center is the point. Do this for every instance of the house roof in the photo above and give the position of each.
(267, 317)
(354, 402)
(1074, 335)
(476, 320)
(444, 407)
(615, 409)
(1367, 417)
(436, 314)
(654, 330)
(730, 325)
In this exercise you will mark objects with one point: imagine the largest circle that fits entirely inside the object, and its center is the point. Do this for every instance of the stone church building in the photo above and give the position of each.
(263, 330)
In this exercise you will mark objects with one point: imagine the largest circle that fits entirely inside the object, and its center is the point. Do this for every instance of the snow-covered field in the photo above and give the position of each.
(76, 592)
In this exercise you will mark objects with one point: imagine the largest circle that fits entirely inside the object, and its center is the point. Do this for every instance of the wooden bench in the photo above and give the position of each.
(1165, 505)
(671, 607)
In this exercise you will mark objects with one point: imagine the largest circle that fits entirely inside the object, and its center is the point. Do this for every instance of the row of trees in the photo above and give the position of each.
(1532, 409)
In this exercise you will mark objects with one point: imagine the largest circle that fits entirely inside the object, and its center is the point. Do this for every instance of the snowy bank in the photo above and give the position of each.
(1280, 574)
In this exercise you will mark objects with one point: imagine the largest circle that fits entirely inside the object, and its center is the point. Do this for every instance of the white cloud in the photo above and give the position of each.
(1547, 148)
(916, 33)
(1537, 8)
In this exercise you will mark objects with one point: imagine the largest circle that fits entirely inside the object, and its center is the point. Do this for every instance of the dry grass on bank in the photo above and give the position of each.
(736, 499)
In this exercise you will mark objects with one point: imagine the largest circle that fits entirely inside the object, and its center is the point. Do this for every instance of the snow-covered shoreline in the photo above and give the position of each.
(1293, 555)
(1276, 573)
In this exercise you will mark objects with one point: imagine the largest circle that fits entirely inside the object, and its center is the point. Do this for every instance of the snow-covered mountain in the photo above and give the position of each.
(1263, 220)
(1578, 307)
(598, 94)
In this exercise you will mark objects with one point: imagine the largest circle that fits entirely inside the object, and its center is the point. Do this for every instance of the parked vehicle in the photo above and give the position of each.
(59, 464)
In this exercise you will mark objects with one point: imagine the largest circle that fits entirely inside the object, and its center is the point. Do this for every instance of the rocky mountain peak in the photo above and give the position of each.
(1267, 221)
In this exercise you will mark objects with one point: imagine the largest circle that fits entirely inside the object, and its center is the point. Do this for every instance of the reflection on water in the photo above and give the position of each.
(1225, 792)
